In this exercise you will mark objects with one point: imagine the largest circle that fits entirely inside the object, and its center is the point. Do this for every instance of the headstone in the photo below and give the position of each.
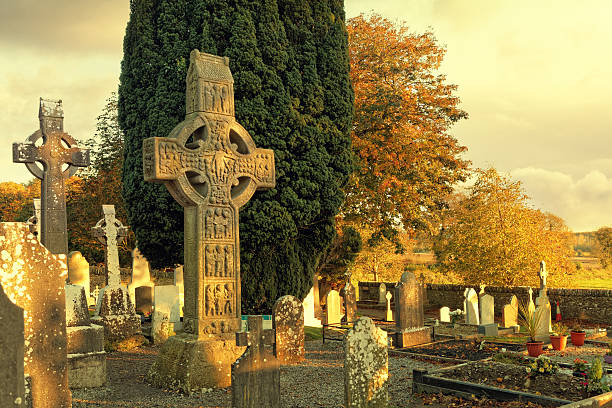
(382, 294)
(144, 300)
(288, 321)
(409, 316)
(445, 314)
(166, 316)
(366, 366)
(256, 374)
(114, 307)
(471, 307)
(12, 385)
(211, 177)
(57, 149)
(489, 330)
(78, 272)
(178, 282)
(85, 342)
(34, 220)
(487, 309)
(350, 302)
(309, 310)
(543, 327)
(389, 315)
(531, 306)
(141, 273)
(510, 313)
(543, 301)
(33, 279)
(334, 314)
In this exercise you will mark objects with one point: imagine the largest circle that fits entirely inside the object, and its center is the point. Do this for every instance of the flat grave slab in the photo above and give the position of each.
(462, 350)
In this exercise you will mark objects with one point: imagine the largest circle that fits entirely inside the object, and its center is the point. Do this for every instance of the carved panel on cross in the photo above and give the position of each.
(219, 223)
(219, 299)
(219, 261)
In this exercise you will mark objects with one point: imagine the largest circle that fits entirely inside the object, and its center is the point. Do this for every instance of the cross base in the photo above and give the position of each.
(187, 364)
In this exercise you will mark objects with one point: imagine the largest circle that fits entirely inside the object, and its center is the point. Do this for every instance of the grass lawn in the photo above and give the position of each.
(593, 279)
(312, 333)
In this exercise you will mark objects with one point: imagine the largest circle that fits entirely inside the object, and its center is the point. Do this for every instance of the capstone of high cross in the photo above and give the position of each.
(58, 149)
(211, 166)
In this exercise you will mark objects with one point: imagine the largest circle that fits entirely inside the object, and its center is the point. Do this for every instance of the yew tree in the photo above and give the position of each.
(493, 236)
(407, 161)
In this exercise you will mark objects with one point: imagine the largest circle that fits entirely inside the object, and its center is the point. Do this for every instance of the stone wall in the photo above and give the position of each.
(592, 304)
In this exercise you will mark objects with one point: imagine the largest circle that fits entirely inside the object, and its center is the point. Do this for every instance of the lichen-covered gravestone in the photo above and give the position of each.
(288, 323)
(114, 308)
(57, 149)
(409, 315)
(366, 366)
(33, 279)
(85, 342)
(256, 374)
(211, 166)
(12, 386)
(78, 272)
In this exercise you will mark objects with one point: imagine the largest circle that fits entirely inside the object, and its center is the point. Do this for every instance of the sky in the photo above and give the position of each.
(534, 78)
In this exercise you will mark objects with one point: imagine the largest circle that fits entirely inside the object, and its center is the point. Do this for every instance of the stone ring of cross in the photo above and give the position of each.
(66, 142)
(99, 230)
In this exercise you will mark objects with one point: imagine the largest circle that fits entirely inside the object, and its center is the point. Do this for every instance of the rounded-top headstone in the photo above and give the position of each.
(288, 322)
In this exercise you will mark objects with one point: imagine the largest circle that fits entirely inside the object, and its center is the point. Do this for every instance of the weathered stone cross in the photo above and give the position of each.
(256, 374)
(57, 150)
(211, 166)
(543, 274)
(109, 232)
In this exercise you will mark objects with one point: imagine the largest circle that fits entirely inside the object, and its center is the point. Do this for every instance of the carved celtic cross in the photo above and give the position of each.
(211, 166)
(60, 158)
(110, 231)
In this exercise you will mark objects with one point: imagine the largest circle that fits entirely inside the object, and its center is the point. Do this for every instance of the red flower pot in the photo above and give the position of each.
(535, 349)
(578, 338)
(558, 342)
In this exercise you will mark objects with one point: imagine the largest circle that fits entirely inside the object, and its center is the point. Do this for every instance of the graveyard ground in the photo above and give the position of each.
(318, 382)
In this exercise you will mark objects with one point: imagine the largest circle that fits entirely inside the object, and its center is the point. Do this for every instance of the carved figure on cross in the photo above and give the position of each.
(60, 158)
(110, 231)
(210, 165)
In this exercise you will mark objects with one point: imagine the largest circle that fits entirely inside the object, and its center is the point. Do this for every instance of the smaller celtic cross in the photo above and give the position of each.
(543, 274)
(110, 231)
(60, 158)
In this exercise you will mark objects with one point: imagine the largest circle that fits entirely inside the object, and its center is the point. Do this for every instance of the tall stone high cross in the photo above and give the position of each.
(211, 166)
(58, 150)
(109, 232)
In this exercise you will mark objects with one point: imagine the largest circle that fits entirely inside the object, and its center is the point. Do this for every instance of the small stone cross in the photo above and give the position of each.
(110, 231)
(543, 274)
(211, 166)
(58, 150)
(389, 316)
(256, 374)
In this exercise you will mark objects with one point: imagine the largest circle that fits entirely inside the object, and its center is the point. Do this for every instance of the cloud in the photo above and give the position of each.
(584, 203)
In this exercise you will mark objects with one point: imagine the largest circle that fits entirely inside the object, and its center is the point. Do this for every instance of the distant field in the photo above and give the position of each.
(592, 276)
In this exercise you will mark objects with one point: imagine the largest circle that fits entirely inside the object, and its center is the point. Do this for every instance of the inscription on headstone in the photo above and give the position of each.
(211, 166)
(57, 149)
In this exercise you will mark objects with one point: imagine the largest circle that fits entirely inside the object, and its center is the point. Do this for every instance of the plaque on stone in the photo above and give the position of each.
(57, 149)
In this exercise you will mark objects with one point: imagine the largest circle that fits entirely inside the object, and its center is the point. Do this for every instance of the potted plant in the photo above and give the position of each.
(608, 356)
(558, 338)
(530, 320)
(578, 335)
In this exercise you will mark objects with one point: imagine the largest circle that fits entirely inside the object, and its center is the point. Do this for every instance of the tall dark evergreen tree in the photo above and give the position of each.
(292, 93)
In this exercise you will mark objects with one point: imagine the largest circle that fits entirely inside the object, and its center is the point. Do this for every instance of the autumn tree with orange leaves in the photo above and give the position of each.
(407, 162)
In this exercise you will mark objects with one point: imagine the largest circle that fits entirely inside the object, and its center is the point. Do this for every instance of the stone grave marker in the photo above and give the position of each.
(34, 220)
(389, 314)
(12, 385)
(33, 278)
(543, 327)
(141, 274)
(487, 307)
(288, 323)
(78, 273)
(114, 308)
(57, 149)
(166, 313)
(382, 294)
(309, 310)
(409, 316)
(531, 306)
(542, 301)
(334, 314)
(85, 342)
(144, 300)
(366, 366)
(350, 302)
(211, 177)
(316, 298)
(445, 314)
(471, 307)
(510, 313)
(256, 374)
(178, 282)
